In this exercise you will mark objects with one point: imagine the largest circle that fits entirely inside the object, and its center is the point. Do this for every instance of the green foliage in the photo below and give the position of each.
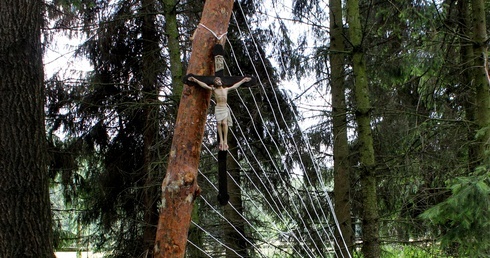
(63, 235)
(408, 251)
(464, 218)
(411, 251)
(108, 160)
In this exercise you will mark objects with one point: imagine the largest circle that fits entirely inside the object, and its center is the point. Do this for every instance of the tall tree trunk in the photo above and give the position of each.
(152, 66)
(179, 188)
(172, 33)
(480, 79)
(176, 70)
(344, 234)
(25, 221)
(370, 234)
(469, 93)
(234, 235)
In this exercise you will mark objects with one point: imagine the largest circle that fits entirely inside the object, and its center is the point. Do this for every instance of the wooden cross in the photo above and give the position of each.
(219, 65)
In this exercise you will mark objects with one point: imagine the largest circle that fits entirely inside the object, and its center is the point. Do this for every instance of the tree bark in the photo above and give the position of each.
(234, 235)
(370, 234)
(469, 93)
(344, 234)
(152, 66)
(179, 188)
(172, 33)
(481, 81)
(25, 221)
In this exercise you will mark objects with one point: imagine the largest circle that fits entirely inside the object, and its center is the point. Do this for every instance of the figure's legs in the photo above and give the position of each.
(220, 134)
(225, 134)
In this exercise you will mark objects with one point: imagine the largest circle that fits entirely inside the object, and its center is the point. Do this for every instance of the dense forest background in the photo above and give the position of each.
(367, 135)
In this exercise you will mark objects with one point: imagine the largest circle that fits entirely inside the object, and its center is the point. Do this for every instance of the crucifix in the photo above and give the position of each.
(217, 84)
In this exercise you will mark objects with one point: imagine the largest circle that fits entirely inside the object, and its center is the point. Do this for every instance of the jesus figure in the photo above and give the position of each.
(222, 112)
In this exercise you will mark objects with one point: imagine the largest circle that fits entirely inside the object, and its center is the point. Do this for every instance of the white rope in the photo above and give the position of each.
(212, 32)
(276, 145)
(270, 156)
(233, 226)
(289, 152)
(273, 225)
(309, 147)
(224, 218)
(280, 216)
(260, 178)
(283, 207)
(276, 194)
(310, 152)
(198, 248)
(214, 238)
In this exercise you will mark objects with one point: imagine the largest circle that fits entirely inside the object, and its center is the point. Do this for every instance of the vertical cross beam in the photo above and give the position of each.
(219, 67)
(223, 196)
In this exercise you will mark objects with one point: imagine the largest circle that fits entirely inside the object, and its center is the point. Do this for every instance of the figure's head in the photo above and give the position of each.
(217, 81)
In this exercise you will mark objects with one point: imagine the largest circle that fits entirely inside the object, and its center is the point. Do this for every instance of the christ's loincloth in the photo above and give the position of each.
(223, 113)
